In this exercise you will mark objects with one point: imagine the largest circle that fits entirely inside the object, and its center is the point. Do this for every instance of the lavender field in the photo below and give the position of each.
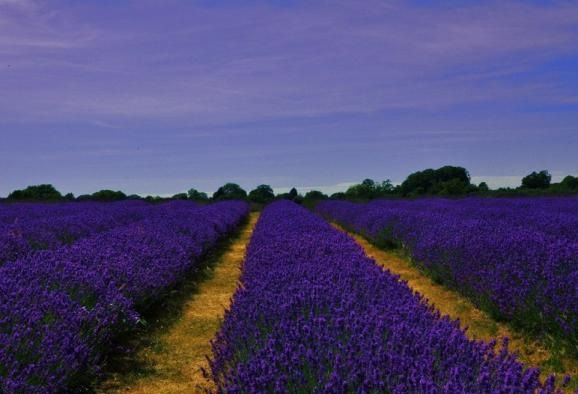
(293, 197)
(312, 313)
(515, 258)
(97, 267)
(25, 229)
(315, 315)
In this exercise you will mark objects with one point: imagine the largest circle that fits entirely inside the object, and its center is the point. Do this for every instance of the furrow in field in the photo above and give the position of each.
(480, 325)
(171, 357)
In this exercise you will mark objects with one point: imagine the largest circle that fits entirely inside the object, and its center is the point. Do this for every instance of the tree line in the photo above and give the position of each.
(449, 181)
(452, 181)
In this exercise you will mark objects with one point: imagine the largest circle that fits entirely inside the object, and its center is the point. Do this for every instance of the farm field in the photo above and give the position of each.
(61, 309)
(179, 297)
(289, 197)
(478, 324)
(173, 353)
(26, 228)
(314, 314)
(513, 259)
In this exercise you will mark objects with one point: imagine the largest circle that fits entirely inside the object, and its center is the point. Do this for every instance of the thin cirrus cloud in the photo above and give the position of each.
(249, 62)
(376, 66)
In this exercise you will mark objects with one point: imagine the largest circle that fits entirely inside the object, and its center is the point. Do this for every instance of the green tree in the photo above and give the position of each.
(364, 190)
(570, 183)
(293, 195)
(262, 194)
(417, 183)
(44, 192)
(385, 188)
(368, 183)
(311, 198)
(230, 191)
(154, 199)
(315, 195)
(180, 196)
(537, 180)
(447, 179)
(338, 196)
(369, 189)
(108, 195)
(196, 195)
(483, 187)
(453, 187)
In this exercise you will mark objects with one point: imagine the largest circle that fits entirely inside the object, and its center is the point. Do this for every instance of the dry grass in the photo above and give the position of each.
(170, 357)
(479, 324)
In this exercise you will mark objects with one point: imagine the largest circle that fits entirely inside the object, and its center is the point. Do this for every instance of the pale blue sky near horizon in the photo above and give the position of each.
(155, 97)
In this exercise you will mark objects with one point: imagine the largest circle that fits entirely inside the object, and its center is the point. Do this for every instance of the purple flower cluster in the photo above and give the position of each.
(59, 309)
(313, 314)
(515, 258)
(26, 228)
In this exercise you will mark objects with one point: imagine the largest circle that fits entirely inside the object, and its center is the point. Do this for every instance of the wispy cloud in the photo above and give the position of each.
(292, 93)
(21, 5)
(257, 62)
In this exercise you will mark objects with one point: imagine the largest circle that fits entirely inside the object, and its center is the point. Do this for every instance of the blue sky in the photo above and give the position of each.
(155, 97)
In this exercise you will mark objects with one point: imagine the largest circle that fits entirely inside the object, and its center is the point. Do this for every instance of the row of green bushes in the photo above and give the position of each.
(444, 181)
(262, 194)
(455, 181)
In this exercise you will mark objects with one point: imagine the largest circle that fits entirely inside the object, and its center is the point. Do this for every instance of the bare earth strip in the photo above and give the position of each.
(480, 325)
(174, 355)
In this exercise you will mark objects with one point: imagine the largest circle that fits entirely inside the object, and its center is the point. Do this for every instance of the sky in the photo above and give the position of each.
(156, 97)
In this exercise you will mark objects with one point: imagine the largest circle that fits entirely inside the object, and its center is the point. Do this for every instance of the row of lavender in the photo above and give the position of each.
(313, 314)
(27, 228)
(515, 258)
(14, 212)
(59, 309)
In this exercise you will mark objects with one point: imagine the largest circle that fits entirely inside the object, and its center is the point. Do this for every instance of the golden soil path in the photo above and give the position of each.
(480, 325)
(176, 354)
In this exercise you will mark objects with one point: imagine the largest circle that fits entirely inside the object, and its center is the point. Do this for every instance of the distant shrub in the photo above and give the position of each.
(195, 195)
(230, 191)
(262, 194)
(315, 195)
(44, 192)
(180, 196)
(447, 180)
(108, 195)
(369, 189)
(570, 183)
(537, 180)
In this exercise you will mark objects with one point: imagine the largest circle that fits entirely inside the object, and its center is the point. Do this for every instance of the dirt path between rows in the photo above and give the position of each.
(480, 325)
(172, 357)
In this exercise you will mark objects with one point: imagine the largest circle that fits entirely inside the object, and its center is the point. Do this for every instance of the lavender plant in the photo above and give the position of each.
(59, 309)
(515, 258)
(27, 228)
(313, 314)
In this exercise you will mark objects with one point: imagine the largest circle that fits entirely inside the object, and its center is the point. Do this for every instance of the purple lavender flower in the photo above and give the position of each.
(516, 258)
(60, 308)
(313, 314)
